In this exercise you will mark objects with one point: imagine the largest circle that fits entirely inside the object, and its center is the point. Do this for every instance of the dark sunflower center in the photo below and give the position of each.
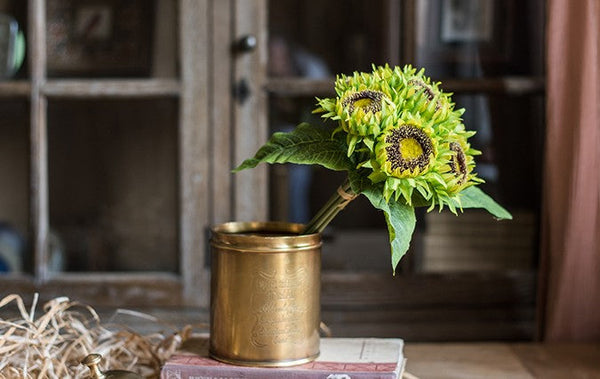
(426, 90)
(367, 100)
(408, 148)
(458, 163)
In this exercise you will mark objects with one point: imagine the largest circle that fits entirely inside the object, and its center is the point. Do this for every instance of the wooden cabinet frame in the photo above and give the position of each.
(209, 120)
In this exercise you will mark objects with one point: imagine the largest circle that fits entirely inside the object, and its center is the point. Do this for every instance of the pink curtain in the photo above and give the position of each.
(571, 206)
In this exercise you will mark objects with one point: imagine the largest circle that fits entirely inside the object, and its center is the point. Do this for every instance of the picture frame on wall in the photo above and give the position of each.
(451, 32)
(99, 37)
(467, 21)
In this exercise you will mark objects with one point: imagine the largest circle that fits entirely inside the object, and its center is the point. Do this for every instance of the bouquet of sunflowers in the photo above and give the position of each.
(402, 143)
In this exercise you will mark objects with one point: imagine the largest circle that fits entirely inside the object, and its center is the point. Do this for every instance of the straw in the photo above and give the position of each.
(53, 345)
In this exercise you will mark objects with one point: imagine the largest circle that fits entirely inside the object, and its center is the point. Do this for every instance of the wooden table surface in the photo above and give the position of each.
(502, 360)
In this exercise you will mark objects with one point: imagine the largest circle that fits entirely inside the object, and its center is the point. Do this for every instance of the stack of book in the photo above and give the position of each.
(340, 358)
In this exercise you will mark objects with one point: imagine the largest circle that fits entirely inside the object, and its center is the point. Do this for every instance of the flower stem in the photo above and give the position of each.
(334, 205)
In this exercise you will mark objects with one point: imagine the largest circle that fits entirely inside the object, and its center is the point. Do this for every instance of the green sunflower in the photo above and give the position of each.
(456, 163)
(414, 137)
(362, 102)
(404, 154)
(368, 101)
(407, 151)
(398, 136)
(416, 92)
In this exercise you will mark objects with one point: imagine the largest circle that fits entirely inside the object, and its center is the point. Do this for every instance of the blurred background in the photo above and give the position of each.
(119, 129)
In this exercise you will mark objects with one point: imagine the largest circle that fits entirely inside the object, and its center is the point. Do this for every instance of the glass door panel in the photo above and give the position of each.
(341, 36)
(461, 41)
(113, 185)
(473, 40)
(15, 256)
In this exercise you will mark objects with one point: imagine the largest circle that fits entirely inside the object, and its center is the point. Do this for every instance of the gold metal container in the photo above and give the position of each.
(265, 294)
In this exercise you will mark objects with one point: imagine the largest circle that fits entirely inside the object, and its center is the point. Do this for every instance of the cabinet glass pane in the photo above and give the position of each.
(113, 185)
(14, 191)
(476, 38)
(308, 38)
(460, 39)
(134, 38)
(509, 135)
(470, 39)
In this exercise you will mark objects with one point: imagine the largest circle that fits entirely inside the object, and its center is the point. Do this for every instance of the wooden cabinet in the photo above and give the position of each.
(126, 173)
(115, 173)
(464, 278)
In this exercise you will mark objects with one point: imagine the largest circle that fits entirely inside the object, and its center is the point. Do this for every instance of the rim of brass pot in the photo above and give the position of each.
(263, 236)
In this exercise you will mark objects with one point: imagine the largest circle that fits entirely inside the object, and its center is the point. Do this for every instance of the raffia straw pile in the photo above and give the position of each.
(53, 345)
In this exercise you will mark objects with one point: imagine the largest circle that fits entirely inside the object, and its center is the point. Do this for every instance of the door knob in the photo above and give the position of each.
(246, 44)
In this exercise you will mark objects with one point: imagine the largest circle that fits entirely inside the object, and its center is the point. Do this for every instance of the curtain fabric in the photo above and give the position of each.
(571, 205)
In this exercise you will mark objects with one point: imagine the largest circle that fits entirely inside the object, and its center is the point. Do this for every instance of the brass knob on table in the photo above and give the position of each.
(92, 362)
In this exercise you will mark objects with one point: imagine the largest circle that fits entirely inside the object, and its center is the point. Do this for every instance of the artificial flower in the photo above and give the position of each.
(402, 142)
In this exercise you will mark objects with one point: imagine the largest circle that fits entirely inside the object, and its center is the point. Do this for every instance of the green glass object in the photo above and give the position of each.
(12, 46)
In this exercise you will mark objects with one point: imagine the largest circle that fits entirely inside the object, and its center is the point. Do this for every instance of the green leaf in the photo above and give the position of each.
(400, 219)
(474, 197)
(471, 197)
(306, 144)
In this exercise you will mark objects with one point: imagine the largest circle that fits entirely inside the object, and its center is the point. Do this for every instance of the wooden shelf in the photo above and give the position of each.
(89, 88)
(300, 87)
(431, 306)
(509, 86)
(15, 88)
(102, 288)
(95, 88)
(502, 85)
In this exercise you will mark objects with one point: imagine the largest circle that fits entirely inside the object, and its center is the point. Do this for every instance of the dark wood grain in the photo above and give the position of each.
(194, 151)
(431, 307)
(101, 289)
(38, 136)
(221, 114)
(459, 289)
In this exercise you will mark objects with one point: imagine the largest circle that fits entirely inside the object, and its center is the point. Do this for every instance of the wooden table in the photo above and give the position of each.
(502, 360)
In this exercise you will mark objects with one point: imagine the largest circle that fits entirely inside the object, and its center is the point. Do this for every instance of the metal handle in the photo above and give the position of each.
(246, 44)
(92, 361)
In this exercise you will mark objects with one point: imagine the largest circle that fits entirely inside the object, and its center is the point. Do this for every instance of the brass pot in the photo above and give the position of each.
(265, 294)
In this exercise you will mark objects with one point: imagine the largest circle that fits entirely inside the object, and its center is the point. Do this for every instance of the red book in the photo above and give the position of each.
(340, 358)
